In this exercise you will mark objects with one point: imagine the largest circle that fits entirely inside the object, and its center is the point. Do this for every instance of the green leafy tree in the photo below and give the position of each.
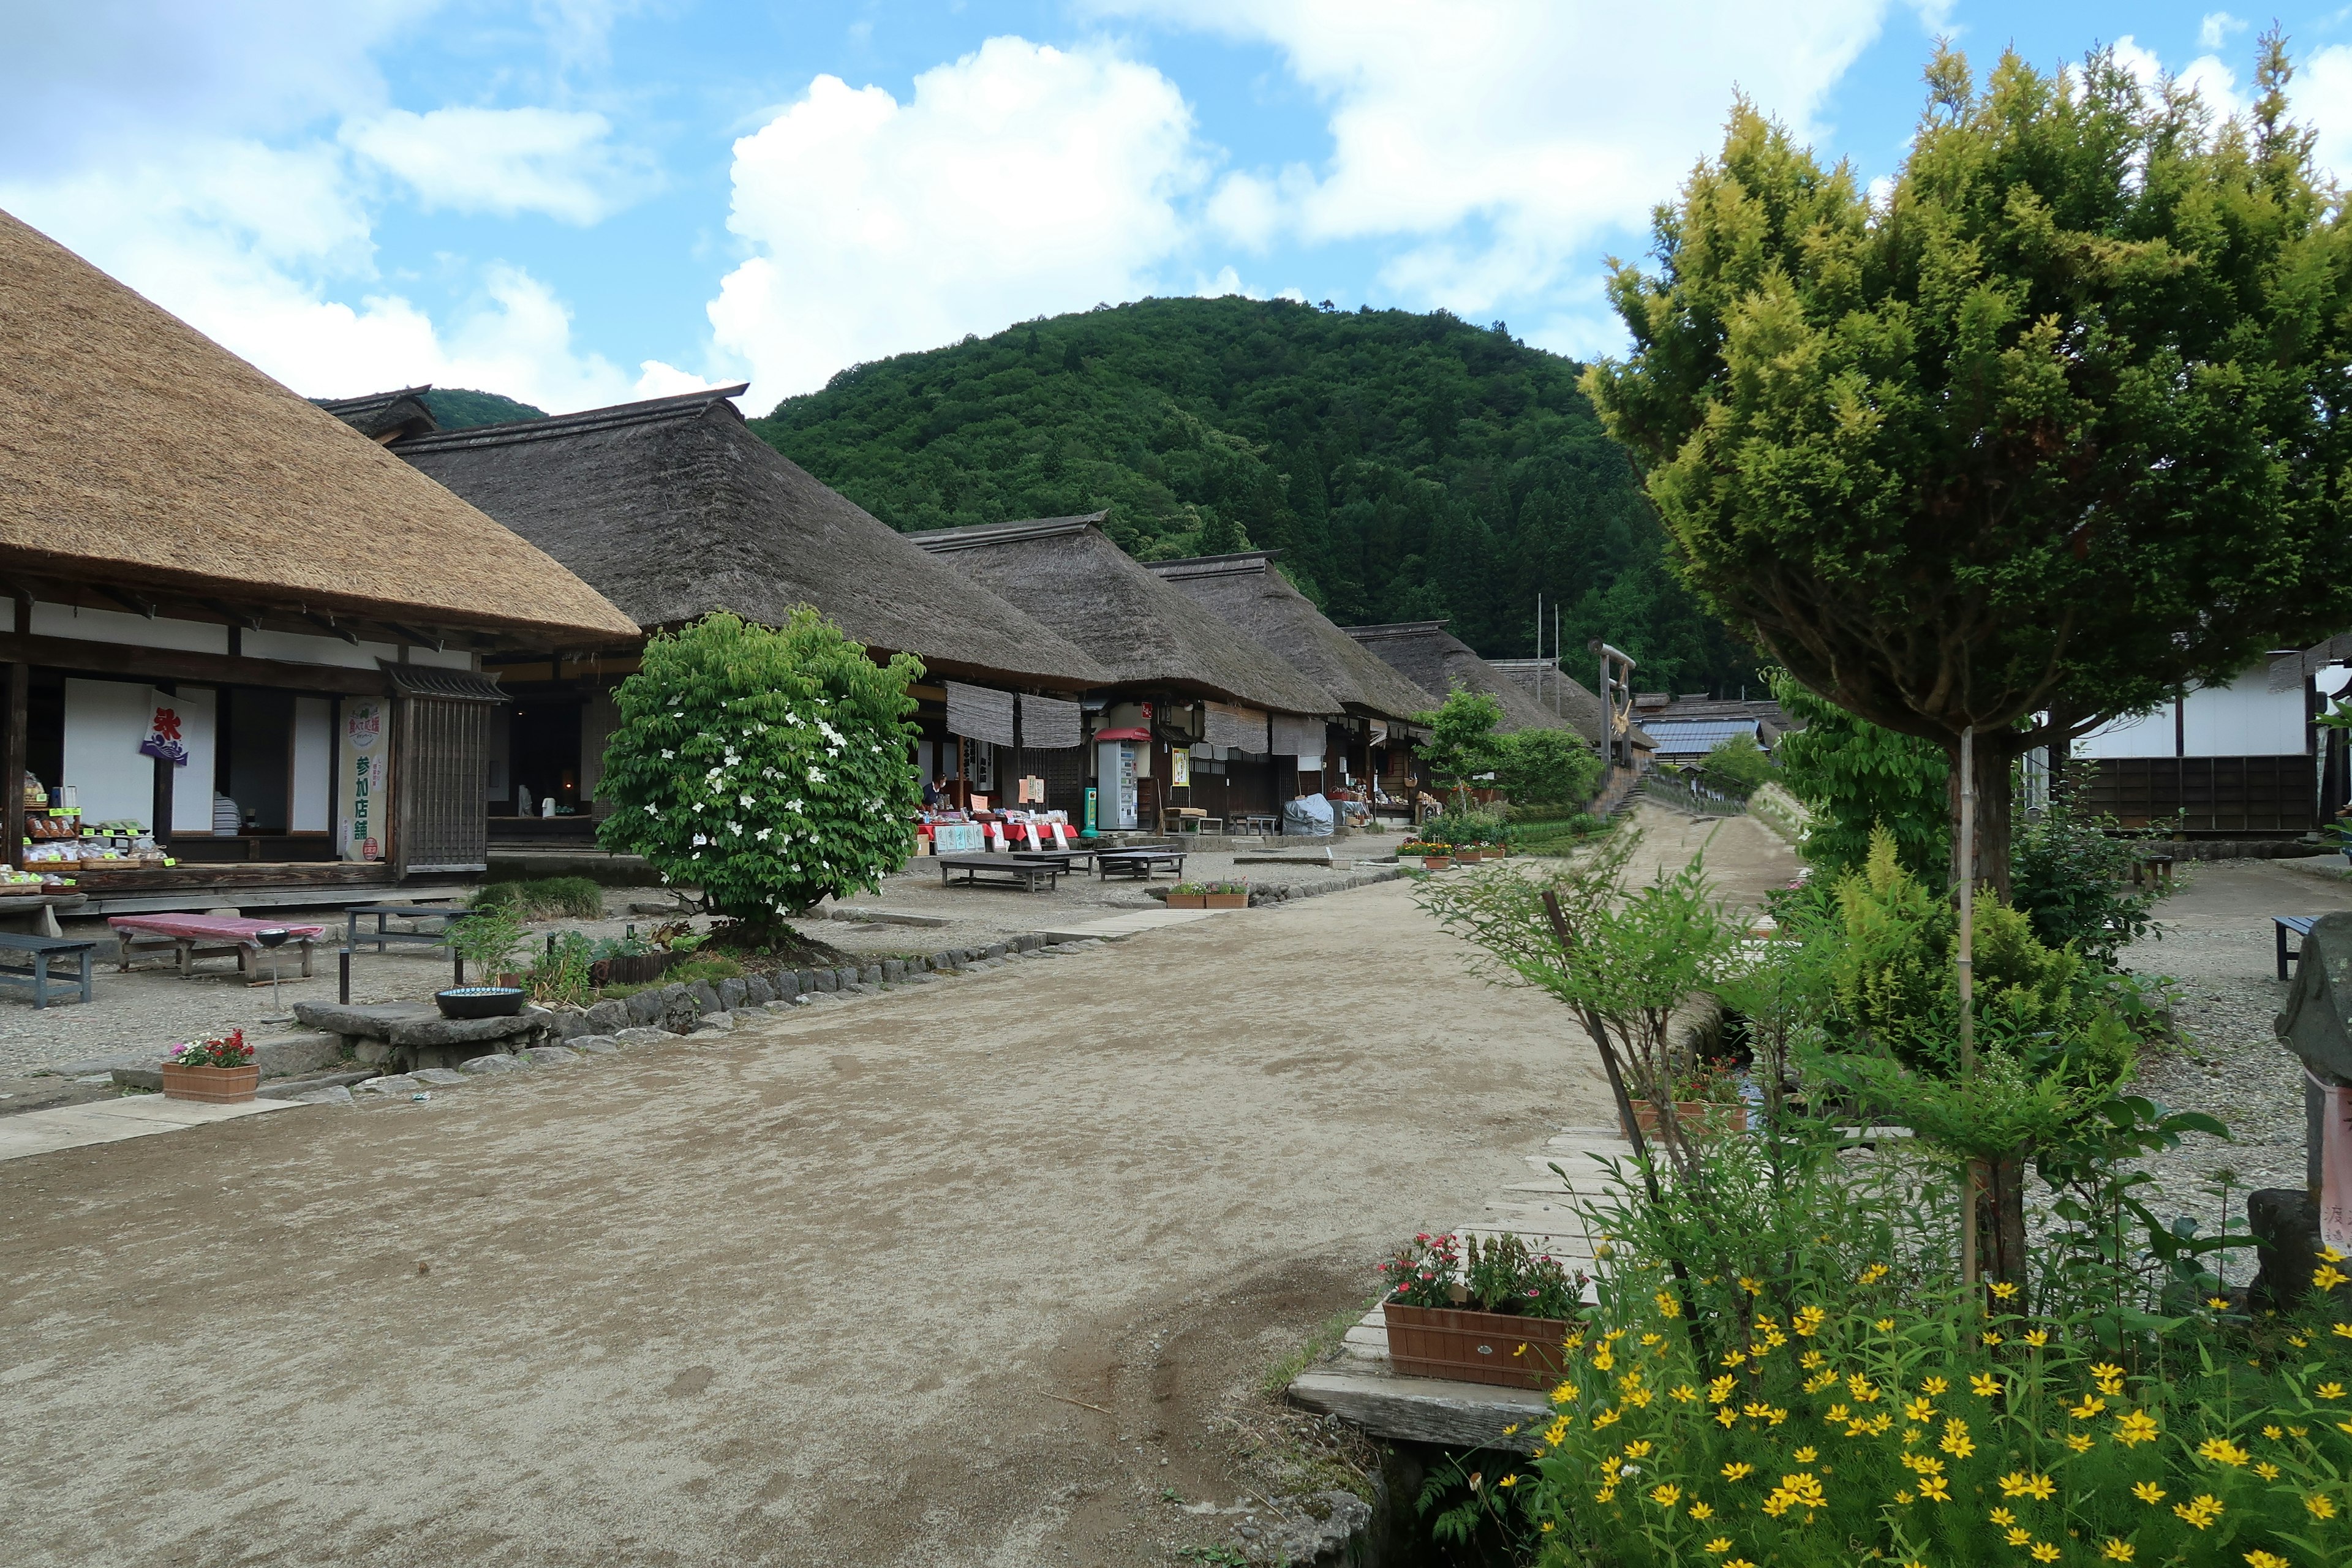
(1463, 744)
(2062, 424)
(1854, 776)
(1739, 759)
(1543, 766)
(768, 767)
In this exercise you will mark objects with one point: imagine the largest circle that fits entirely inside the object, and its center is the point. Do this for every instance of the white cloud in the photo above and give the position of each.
(1503, 139)
(2214, 30)
(1015, 180)
(2322, 99)
(505, 161)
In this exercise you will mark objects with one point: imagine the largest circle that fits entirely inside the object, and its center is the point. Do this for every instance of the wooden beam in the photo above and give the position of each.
(12, 761)
(171, 664)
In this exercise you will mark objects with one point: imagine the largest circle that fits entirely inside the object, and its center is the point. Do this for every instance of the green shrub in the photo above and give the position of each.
(545, 897)
(1854, 777)
(2070, 872)
(1740, 760)
(1547, 767)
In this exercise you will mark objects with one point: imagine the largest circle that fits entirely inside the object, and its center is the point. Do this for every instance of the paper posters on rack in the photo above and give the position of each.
(364, 799)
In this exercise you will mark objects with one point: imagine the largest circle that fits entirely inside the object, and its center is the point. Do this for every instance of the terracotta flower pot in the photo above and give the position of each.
(1188, 900)
(1476, 1347)
(213, 1086)
(1469, 857)
(1700, 1116)
(1438, 862)
(1226, 900)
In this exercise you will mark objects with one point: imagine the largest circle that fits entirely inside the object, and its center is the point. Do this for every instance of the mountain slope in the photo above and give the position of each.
(1409, 467)
(454, 409)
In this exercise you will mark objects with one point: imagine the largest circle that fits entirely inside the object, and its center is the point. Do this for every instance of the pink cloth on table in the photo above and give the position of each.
(214, 928)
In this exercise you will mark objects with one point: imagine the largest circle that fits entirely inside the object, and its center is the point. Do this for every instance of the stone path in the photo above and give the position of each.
(112, 1121)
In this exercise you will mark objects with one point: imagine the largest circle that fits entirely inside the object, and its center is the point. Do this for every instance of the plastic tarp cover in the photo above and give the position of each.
(1309, 814)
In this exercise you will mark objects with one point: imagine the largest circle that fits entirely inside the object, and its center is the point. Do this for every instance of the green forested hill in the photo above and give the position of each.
(455, 408)
(1409, 467)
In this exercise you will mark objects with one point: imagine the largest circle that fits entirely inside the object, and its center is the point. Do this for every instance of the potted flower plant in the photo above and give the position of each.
(217, 1072)
(1189, 896)
(1495, 1314)
(487, 938)
(1707, 1100)
(1225, 896)
(1433, 856)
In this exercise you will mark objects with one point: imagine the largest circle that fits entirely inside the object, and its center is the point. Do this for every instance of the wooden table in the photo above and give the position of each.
(1067, 860)
(191, 937)
(25, 961)
(1022, 868)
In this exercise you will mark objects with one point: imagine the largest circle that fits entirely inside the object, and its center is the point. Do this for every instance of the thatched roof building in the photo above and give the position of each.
(674, 509)
(385, 417)
(137, 453)
(1437, 661)
(1249, 594)
(1066, 572)
(1553, 689)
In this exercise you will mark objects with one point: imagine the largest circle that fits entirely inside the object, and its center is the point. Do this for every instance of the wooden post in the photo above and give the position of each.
(1973, 1181)
(12, 760)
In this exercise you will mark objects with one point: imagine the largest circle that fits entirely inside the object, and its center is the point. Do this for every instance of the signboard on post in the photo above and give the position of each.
(363, 803)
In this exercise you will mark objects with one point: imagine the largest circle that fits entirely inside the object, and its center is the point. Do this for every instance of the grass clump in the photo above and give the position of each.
(545, 897)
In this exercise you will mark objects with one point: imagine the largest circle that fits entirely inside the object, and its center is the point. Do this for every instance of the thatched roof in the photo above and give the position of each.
(1066, 572)
(1437, 661)
(137, 452)
(674, 509)
(386, 416)
(1248, 592)
(1551, 688)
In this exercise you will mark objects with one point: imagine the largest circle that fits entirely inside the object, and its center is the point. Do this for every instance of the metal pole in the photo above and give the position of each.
(343, 977)
(1973, 1186)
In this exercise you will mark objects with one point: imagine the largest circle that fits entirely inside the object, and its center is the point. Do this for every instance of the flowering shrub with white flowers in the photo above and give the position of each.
(768, 767)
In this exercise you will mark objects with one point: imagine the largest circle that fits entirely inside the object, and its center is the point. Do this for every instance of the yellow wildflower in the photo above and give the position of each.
(1935, 1488)
(1837, 1413)
(1719, 1391)
(1819, 1381)
(2221, 1451)
(2108, 1376)
(1727, 1417)
(2038, 1338)
(2219, 1303)
(1811, 1360)
(1683, 1393)
(1989, 1339)
(2001, 1516)
(1603, 1358)
(1650, 1340)
(1861, 1387)
(2300, 1342)
(2088, 1408)
(1912, 1434)
(1983, 1384)
(1638, 1450)
(1719, 1545)
(2297, 1431)
(2327, 1277)
(1808, 1320)
(1564, 1395)
(2329, 1391)
(2267, 1471)
(1884, 1325)
(2117, 1550)
(1508, 1481)
(1749, 1286)
(1919, 1410)
(2341, 1330)
(2003, 1291)
(2021, 1483)
(2200, 1511)
(1700, 1510)
(2147, 1492)
(1904, 1497)
(1733, 1358)
(1666, 1497)
(1605, 1493)
(1606, 1418)
(2017, 1535)
(1955, 1441)
(1806, 1456)
(2258, 1558)
(1669, 1305)
(1935, 1387)
(1738, 1472)
(2319, 1507)
(2044, 1552)
(2077, 1443)
(2134, 1427)
(1873, 1274)
(2273, 1433)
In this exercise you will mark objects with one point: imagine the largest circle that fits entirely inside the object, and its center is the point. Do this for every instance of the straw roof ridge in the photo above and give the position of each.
(674, 508)
(1067, 572)
(385, 415)
(1244, 589)
(1562, 693)
(136, 450)
(1434, 659)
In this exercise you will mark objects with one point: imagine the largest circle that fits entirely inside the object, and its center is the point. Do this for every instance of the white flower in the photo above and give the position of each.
(762, 834)
(698, 806)
(793, 803)
(649, 809)
(815, 776)
(699, 838)
(747, 800)
(667, 754)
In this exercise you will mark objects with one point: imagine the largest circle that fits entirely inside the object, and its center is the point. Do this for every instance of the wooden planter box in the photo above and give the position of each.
(1476, 1347)
(1469, 857)
(1438, 862)
(1224, 900)
(1700, 1116)
(639, 969)
(213, 1086)
(1188, 900)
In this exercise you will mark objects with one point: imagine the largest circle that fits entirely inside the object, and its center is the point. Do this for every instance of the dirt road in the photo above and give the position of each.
(802, 1295)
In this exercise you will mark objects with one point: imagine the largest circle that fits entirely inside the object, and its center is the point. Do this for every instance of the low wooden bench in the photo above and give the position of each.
(1063, 860)
(2280, 926)
(1139, 860)
(25, 960)
(1011, 867)
(448, 915)
(191, 937)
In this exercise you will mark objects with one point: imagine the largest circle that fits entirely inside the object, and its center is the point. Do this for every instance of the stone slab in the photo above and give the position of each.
(553, 1056)
(495, 1062)
(418, 1023)
(1427, 1409)
(886, 917)
(644, 1034)
(111, 1120)
(439, 1077)
(393, 1083)
(296, 1087)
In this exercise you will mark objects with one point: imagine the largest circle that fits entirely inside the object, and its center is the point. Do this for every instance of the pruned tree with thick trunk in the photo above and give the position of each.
(2058, 425)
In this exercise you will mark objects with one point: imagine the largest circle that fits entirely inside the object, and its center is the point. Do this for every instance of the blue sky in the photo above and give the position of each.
(578, 202)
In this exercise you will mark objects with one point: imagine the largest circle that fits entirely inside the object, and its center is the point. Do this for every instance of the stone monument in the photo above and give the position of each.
(2293, 1226)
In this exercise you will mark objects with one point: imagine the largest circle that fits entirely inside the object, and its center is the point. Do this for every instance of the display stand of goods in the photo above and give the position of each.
(1209, 896)
(1498, 1313)
(219, 1071)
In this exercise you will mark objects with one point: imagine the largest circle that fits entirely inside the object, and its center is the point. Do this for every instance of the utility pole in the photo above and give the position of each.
(1967, 965)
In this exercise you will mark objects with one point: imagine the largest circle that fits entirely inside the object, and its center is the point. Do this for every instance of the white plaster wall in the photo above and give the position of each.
(300, 648)
(440, 659)
(126, 629)
(2243, 719)
(312, 805)
(106, 721)
(192, 791)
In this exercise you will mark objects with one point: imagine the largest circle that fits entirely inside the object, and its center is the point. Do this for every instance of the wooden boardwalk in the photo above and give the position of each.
(1551, 1215)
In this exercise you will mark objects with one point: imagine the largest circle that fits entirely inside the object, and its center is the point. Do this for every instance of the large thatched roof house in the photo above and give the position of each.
(229, 608)
(1247, 592)
(674, 509)
(1437, 661)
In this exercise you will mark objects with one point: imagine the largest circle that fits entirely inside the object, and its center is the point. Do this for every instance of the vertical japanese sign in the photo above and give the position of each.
(164, 741)
(363, 799)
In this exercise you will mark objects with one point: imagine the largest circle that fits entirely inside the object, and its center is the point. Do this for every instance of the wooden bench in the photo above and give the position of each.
(25, 961)
(191, 937)
(1139, 860)
(1019, 868)
(448, 916)
(2281, 925)
(1064, 860)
